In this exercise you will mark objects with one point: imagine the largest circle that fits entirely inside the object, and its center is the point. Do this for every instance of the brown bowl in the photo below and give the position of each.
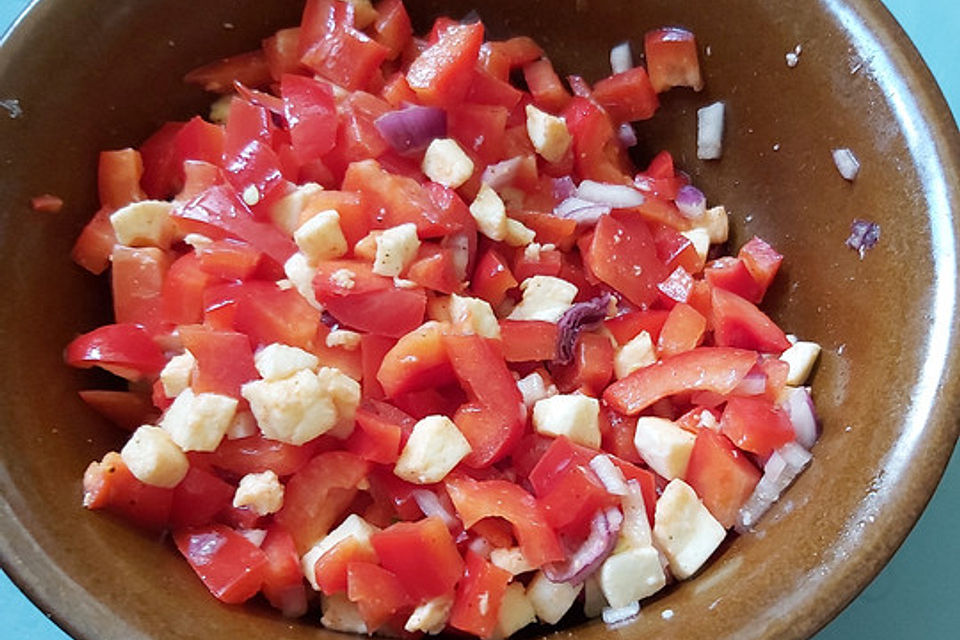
(887, 386)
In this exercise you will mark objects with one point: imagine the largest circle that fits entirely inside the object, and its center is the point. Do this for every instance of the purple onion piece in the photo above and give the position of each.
(583, 212)
(803, 416)
(691, 202)
(616, 196)
(412, 128)
(753, 384)
(864, 235)
(627, 135)
(501, 174)
(583, 315)
(588, 557)
(563, 188)
(329, 321)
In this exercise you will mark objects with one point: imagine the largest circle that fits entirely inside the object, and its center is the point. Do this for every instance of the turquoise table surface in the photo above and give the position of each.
(918, 594)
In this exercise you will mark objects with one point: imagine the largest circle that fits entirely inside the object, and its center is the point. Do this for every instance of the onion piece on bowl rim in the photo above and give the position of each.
(782, 468)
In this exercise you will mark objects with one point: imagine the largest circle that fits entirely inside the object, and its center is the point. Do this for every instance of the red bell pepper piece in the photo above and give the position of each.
(230, 566)
(124, 349)
(405, 548)
(721, 475)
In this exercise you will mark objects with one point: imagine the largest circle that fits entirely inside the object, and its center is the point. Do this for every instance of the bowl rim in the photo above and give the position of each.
(26, 567)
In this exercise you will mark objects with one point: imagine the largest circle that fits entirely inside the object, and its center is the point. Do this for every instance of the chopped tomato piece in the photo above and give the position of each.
(230, 566)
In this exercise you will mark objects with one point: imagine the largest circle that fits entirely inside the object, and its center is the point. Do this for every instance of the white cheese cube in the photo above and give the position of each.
(286, 211)
(515, 612)
(198, 422)
(631, 575)
(474, 316)
(699, 237)
(396, 249)
(345, 392)
(260, 491)
(574, 416)
(544, 298)
(684, 530)
(663, 445)
(801, 357)
(352, 527)
(518, 234)
(434, 448)
(154, 458)
(176, 375)
(340, 614)
(298, 270)
(343, 339)
(278, 361)
(490, 213)
(551, 599)
(320, 237)
(144, 224)
(446, 163)
(431, 616)
(343, 278)
(303, 406)
(532, 389)
(510, 559)
(715, 222)
(638, 353)
(548, 134)
(243, 425)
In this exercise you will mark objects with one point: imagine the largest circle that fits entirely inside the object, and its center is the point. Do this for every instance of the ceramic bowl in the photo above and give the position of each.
(91, 76)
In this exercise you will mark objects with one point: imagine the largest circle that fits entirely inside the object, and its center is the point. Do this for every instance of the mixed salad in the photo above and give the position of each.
(407, 337)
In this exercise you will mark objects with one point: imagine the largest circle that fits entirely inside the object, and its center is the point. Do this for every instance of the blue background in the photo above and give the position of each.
(918, 594)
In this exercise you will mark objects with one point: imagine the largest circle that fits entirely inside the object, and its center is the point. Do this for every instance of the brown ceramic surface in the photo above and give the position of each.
(93, 75)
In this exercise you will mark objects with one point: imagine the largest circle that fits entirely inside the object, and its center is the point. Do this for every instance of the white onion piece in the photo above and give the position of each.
(620, 615)
(430, 504)
(501, 174)
(621, 58)
(587, 558)
(799, 406)
(636, 527)
(611, 476)
(782, 468)
(627, 135)
(691, 202)
(255, 536)
(847, 163)
(615, 196)
(710, 131)
(581, 211)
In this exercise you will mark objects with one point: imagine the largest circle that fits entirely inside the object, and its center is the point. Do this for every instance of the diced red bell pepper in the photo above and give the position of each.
(501, 57)
(435, 268)
(268, 314)
(490, 436)
(477, 604)
(676, 250)
(441, 74)
(249, 68)
(528, 340)
(547, 263)
(627, 96)
(330, 569)
(598, 155)
(256, 454)
(378, 593)
(623, 255)
(682, 331)
(721, 475)
(731, 274)
(545, 86)
(182, 290)
(229, 259)
(379, 435)
(492, 278)
(418, 361)
(125, 409)
(756, 425)
(762, 261)
(199, 497)
(230, 566)
(405, 548)
(283, 578)
(676, 288)
(95, 243)
(224, 360)
(672, 59)
(574, 497)
(352, 207)
(489, 90)
(110, 485)
(281, 51)
(137, 283)
(161, 166)
(550, 229)
(332, 48)
(372, 350)
(479, 128)
(126, 350)
(739, 323)
(627, 326)
(392, 28)
(591, 367)
(616, 433)
(118, 178)
(311, 113)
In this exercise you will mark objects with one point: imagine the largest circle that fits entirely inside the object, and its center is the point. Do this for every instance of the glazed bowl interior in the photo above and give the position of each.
(91, 77)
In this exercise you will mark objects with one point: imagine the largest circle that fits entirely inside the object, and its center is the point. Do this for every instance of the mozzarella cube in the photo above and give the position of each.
(278, 361)
(176, 375)
(515, 612)
(198, 422)
(510, 559)
(260, 491)
(574, 416)
(551, 600)
(352, 527)
(533, 389)
(518, 234)
(446, 163)
(631, 575)
(298, 270)
(286, 211)
(396, 249)
(663, 445)
(343, 339)
(638, 353)
(474, 316)
(304, 405)
(340, 614)
(716, 224)
(801, 357)
(490, 213)
(548, 134)
(434, 448)
(243, 425)
(154, 458)
(699, 237)
(544, 298)
(144, 224)
(320, 237)
(431, 616)
(684, 530)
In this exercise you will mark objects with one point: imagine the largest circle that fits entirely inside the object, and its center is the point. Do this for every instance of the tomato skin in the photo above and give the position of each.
(477, 603)
(405, 548)
(125, 349)
(475, 500)
(756, 425)
(672, 59)
(230, 566)
(378, 593)
(717, 369)
(627, 96)
(310, 109)
(721, 475)
(528, 340)
(224, 360)
(283, 578)
(739, 323)
(441, 74)
(623, 255)
(418, 361)
(110, 485)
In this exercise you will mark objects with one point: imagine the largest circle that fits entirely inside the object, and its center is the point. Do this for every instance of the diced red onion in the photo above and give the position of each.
(430, 504)
(710, 131)
(615, 196)
(412, 128)
(864, 235)
(583, 315)
(621, 58)
(459, 244)
(614, 617)
(847, 163)
(609, 474)
(563, 188)
(803, 416)
(587, 558)
(782, 468)
(581, 211)
(501, 174)
(255, 536)
(627, 135)
(691, 202)
(753, 384)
